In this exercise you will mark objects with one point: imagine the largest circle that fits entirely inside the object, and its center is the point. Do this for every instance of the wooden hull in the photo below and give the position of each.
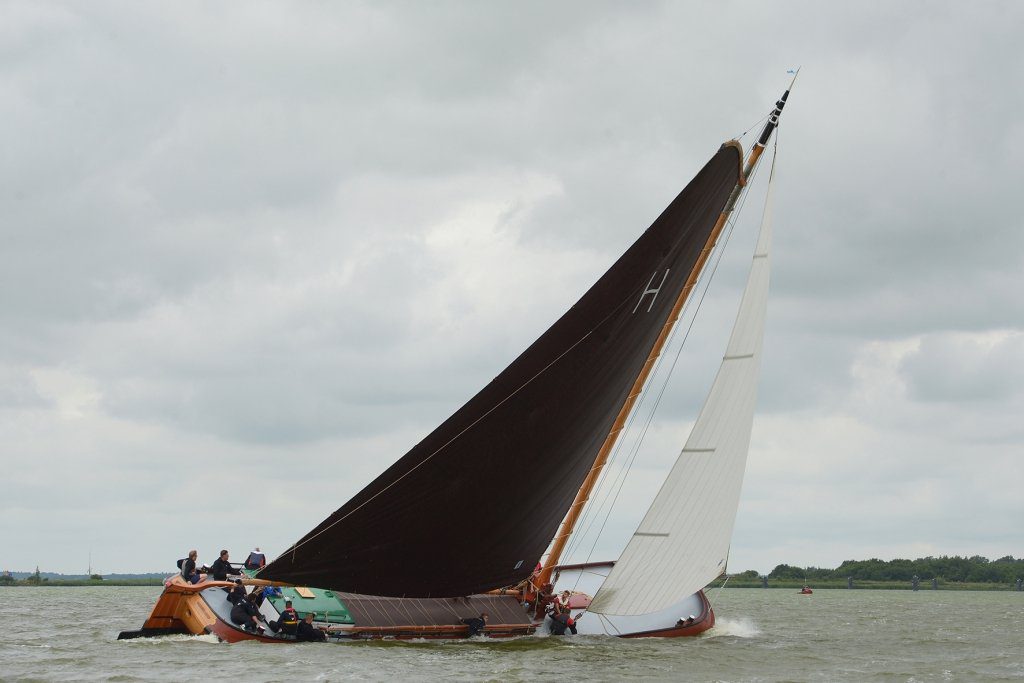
(178, 610)
(673, 621)
(703, 622)
(201, 609)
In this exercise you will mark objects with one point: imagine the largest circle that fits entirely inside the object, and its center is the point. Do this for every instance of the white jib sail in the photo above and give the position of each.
(683, 542)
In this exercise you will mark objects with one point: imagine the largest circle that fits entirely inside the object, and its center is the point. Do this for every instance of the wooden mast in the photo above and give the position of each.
(576, 509)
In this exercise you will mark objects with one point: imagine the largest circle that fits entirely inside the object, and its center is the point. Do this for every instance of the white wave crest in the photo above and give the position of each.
(173, 638)
(738, 628)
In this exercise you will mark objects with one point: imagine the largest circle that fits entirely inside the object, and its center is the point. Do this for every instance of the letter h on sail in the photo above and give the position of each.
(651, 290)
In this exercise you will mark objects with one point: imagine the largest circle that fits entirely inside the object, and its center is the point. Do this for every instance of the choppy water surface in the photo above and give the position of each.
(68, 634)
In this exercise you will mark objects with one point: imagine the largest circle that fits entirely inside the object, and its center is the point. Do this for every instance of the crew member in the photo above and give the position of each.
(476, 624)
(246, 615)
(288, 622)
(561, 615)
(237, 592)
(561, 603)
(305, 631)
(188, 567)
(221, 567)
(256, 560)
(268, 592)
(562, 622)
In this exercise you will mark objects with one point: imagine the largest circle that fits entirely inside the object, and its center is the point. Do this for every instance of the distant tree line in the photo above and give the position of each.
(976, 569)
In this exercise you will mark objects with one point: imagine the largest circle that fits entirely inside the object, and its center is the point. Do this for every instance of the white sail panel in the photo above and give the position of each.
(682, 544)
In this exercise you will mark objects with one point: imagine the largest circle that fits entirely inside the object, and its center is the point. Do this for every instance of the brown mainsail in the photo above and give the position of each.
(453, 517)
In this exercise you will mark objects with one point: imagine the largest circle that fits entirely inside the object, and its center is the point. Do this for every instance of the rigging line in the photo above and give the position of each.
(379, 604)
(734, 220)
(447, 443)
(403, 607)
(608, 622)
(762, 120)
(440, 448)
(419, 605)
(603, 490)
(593, 512)
(450, 608)
(711, 602)
(775, 148)
(621, 480)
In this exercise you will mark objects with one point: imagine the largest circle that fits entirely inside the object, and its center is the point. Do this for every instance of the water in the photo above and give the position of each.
(69, 634)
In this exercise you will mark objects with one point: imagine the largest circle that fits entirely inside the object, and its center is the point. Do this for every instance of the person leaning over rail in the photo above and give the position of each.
(476, 624)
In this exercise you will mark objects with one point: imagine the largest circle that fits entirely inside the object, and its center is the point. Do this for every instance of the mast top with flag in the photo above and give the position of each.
(773, 118)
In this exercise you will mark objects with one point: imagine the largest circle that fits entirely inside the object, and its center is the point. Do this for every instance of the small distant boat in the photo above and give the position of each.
(467, 511)
(805, 591)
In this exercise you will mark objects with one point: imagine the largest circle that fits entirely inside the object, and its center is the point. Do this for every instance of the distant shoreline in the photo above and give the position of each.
(64, 583)
(975, 573)
(736, 582)
(788, 584)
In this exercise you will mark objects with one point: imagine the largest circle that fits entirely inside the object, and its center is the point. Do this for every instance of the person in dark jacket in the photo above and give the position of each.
(188, 567)
(221, 567)
(246, 615)
(305, 631)
(562, 622)
(237, 593)
(476, 624)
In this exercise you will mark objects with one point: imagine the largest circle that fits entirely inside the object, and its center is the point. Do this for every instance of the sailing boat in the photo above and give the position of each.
(471, 509)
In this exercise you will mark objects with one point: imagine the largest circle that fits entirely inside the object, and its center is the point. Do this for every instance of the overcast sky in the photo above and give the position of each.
(253, 252)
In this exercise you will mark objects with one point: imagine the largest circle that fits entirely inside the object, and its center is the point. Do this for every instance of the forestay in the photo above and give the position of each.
(682, 544)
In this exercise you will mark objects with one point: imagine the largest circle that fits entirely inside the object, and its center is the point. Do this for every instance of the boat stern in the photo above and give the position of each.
(179, 610)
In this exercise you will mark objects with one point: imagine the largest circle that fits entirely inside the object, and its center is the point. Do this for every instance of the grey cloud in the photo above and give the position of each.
(18, 391)
(310, 233)
(955, 367)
